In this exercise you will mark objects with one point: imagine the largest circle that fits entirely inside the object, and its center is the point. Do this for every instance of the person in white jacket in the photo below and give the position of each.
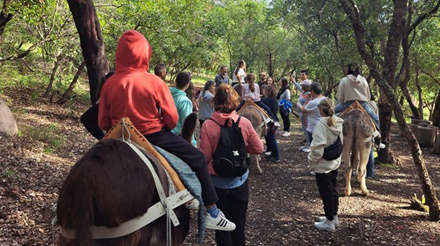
(326, 133)
(352, 88)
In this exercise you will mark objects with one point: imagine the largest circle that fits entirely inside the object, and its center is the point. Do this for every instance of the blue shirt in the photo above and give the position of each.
(229, 182)
(219, 79)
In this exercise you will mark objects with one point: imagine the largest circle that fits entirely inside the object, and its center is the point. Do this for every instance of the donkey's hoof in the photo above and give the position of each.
(347, 193)
(365, 192)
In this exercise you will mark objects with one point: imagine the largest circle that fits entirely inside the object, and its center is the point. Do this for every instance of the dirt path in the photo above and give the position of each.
(284, 200)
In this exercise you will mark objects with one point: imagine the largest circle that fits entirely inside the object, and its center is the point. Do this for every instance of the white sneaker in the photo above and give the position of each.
(312, 173)
(381, 146)
(277, 124)
(220, 223)
(267, 153)
(301, 148)
(286, 134)
(306, 149)
(335, 219)
(325, 225)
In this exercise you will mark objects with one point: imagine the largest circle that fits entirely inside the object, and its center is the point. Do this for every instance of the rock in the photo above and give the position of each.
(8, 125)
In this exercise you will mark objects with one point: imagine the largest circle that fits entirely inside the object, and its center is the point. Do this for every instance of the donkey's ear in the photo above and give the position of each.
(189, 126)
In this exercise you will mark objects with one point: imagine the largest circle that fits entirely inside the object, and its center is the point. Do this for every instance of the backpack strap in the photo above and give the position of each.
(236, 123)
(227, 121)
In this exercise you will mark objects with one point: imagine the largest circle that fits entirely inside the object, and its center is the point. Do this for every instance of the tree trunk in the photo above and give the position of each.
(4, 17)
(69, 90)
(92, 43)
(382, 80)
(385, 115)
(52, 76)
(419, 91)
(436, 114)
(415, 111)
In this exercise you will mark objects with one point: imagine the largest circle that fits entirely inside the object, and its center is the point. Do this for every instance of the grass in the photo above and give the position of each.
(51, 135)
(200, 80)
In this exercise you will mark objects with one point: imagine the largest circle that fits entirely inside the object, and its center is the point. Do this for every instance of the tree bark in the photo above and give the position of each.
(53, 75)
(69, 90)
(436, 114)
(4, 17)
(385, 115)
(383, 80)
(419, 90)
(92, 43)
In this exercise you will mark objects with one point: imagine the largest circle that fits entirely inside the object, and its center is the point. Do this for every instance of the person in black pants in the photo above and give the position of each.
(90, 117)
(327, 131)
(284, 96)
(271, 141)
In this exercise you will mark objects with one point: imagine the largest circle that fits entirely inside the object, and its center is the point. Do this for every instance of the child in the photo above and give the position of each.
(325, 133)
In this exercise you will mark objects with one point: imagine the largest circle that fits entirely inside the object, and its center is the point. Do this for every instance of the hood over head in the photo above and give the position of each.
(356, 81)
(133, 51)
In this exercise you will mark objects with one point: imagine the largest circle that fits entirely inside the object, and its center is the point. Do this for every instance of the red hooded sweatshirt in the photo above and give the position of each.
(133, 92)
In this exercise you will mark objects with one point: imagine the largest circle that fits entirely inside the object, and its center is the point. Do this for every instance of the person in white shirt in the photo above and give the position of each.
(311, 108)
(239, 73)
(251, 91)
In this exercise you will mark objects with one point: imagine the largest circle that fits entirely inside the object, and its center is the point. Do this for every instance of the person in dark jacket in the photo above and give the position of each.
(272, 152)
(90, 117)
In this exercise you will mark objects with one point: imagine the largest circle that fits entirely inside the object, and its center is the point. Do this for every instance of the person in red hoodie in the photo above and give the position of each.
(145, 98)
(233, 192)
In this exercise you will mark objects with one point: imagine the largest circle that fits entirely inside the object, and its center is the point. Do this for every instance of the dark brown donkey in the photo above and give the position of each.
(110, 185)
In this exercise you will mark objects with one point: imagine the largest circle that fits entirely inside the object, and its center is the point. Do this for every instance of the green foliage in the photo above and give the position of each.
(51, 135)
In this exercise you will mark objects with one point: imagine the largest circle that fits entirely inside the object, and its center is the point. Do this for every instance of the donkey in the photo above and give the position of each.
(358, 140)
(110, 185)
(257, 120)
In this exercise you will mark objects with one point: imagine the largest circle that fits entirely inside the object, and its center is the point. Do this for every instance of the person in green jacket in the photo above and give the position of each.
(183, 103)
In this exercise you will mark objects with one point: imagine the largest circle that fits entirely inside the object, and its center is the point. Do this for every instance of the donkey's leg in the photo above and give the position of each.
(364, 152)
(346, 158)
(257, 161)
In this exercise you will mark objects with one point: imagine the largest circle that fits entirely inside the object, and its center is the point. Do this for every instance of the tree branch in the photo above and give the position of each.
(423, 17)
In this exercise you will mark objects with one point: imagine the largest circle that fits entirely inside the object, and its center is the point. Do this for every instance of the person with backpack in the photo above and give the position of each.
(225, 149)
(325, 158)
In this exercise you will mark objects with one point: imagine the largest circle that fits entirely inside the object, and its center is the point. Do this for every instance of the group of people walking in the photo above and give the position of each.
(158, 112)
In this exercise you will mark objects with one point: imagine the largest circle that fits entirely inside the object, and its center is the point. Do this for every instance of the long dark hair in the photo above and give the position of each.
(251, 84)
(208, 85)
(284, 83)
(240, 63)
(353, 69)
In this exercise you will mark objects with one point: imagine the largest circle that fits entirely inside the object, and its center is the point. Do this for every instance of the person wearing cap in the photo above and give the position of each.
(354, 87)
(326, 133)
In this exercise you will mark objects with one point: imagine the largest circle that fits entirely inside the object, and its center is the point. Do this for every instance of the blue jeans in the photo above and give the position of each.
(343, 106)
(272, 144)
(309, 138)
(370, 164)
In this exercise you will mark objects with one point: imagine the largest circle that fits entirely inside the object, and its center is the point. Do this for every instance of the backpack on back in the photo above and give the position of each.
(230, 154)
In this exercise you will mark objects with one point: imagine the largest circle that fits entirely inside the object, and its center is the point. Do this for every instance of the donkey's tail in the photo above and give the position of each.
(354, 152)
(189, 126)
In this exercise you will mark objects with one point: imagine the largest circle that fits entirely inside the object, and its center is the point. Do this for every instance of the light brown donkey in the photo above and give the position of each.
(253, 114)
(358, 139)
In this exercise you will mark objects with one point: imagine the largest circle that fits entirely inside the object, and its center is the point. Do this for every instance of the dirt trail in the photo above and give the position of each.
(284, 200)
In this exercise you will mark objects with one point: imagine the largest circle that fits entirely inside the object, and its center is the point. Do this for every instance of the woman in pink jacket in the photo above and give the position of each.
(233, 192)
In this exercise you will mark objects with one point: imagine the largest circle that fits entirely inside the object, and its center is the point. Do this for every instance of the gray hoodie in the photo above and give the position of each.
(353, 88)
(324, 136)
